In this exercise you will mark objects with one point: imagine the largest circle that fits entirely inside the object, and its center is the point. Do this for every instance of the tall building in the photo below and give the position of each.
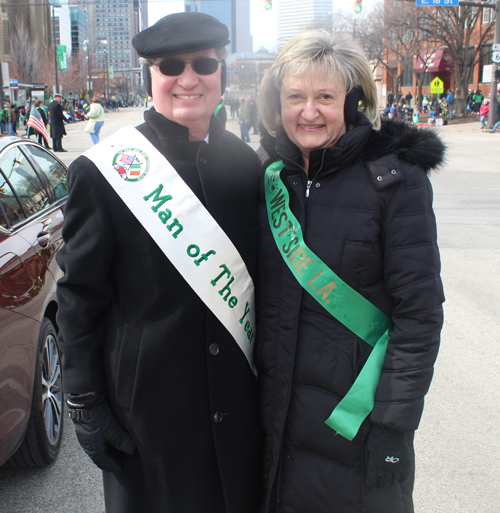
(114, 25)
(78, 27)
(295, 16)
(62, 27)
(36, 14)
(235, 14)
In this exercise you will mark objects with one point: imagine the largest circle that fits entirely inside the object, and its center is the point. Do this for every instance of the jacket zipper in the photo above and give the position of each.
(309, 182)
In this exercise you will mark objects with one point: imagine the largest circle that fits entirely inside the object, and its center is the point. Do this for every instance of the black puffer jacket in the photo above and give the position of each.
(369, 218)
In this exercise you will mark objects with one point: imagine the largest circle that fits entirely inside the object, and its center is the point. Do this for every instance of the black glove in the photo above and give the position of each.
(387, 458)
(96, 427)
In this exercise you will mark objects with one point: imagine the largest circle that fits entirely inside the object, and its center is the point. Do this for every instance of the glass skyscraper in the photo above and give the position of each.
(235, 14)
(294, 16)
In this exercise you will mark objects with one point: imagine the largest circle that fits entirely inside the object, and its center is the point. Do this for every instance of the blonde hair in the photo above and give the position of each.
(313, 52)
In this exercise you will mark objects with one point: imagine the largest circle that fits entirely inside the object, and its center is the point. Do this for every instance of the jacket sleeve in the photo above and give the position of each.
(85, 291)
(412, 279)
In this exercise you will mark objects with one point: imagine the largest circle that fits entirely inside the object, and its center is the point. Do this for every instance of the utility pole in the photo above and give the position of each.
(55, 46)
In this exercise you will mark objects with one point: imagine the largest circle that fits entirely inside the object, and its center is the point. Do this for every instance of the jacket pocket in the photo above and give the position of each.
(127, 366)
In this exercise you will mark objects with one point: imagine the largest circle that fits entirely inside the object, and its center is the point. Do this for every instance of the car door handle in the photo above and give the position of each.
(44, 239)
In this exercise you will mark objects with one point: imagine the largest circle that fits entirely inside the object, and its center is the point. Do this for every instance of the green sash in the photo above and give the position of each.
(339, 299)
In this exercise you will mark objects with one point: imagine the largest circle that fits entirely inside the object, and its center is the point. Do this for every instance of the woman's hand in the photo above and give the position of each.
(387, 458)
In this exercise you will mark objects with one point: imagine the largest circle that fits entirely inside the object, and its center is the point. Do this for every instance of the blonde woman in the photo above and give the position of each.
(96, 119)
(349, 295)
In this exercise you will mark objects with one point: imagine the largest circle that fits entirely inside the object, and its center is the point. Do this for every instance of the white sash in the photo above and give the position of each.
(182, 228)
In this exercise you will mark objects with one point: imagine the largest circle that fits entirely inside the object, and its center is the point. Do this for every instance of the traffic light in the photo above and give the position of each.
(268, 4)
(358, 6)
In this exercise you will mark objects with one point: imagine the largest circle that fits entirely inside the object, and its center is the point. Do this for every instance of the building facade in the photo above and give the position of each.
(79, 30)
(294, 16)
(235, 14)
(110, 34)
(438, 63)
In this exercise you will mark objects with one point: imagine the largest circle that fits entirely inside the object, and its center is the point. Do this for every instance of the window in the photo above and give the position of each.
(488, 15)
(30, 191)
(407, 78)
(427, 78)
(52, 169)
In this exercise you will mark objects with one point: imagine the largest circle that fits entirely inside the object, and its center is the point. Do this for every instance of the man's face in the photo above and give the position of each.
(188, 99)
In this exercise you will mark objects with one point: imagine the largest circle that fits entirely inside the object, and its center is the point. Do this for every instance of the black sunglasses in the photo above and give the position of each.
(175, 67)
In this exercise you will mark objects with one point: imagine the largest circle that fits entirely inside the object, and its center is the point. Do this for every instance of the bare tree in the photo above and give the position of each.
(75, 77)
(27, 56)
(455, 28)
(393, 33)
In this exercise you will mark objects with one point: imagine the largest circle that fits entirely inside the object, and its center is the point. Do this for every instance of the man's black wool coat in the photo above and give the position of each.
(131, 326)
(57, 130)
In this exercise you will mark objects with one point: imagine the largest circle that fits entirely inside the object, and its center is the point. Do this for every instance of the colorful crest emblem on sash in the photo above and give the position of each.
(131, 164)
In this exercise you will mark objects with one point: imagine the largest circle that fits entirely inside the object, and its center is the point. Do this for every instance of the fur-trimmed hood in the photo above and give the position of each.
(417, 146)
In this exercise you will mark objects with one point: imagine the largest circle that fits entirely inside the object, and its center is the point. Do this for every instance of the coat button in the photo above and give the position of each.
(218, 416)
(203, 160)
(379, 178)
(295, 182)
(318, 185)
(213, 350)
(393, 172)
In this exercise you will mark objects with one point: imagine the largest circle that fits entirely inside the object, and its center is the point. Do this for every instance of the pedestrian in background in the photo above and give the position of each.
(477, 100)
(483, 113)
(450, 98)
(96, 119)
(57, 119)
(3, 119)
(11, 120)
(243, 116)
(253, 115)
(43, 119)
(408, 98)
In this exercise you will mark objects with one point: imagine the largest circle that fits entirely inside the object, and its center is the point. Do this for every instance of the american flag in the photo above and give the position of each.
(35, 121)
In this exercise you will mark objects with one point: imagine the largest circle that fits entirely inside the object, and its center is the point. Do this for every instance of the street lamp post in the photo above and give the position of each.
(55, 45)
(86, 46)
(105, 42)
(106, 87)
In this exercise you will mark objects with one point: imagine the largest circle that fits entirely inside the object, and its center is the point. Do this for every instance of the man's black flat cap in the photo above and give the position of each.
(182, 32)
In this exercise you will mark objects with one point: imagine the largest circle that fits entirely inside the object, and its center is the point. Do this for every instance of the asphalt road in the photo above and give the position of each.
(458, 443)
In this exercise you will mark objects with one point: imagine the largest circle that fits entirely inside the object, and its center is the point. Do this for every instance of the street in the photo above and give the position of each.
(458, 443)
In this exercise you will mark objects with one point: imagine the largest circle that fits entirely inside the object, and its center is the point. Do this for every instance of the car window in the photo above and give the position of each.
(22, 176)
(10, 205)
(53, 170)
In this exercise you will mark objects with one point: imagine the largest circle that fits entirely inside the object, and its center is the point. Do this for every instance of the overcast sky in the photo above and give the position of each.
(262, 22)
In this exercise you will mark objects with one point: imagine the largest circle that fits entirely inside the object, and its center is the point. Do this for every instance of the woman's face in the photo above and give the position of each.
(312, 111)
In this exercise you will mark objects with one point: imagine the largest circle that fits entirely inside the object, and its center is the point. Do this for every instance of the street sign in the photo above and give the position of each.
(495, 48)
(495, 57)
(434, 3)
(437, 86)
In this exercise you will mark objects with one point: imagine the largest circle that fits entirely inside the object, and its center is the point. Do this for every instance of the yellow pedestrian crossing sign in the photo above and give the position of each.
(437, 86)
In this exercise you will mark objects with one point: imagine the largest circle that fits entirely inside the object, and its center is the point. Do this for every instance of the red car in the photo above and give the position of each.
(32, 198)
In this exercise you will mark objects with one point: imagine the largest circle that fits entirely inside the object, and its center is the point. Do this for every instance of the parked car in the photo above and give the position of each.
(32, 199)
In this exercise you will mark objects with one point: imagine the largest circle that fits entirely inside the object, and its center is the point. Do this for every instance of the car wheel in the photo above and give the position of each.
(43, 438)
